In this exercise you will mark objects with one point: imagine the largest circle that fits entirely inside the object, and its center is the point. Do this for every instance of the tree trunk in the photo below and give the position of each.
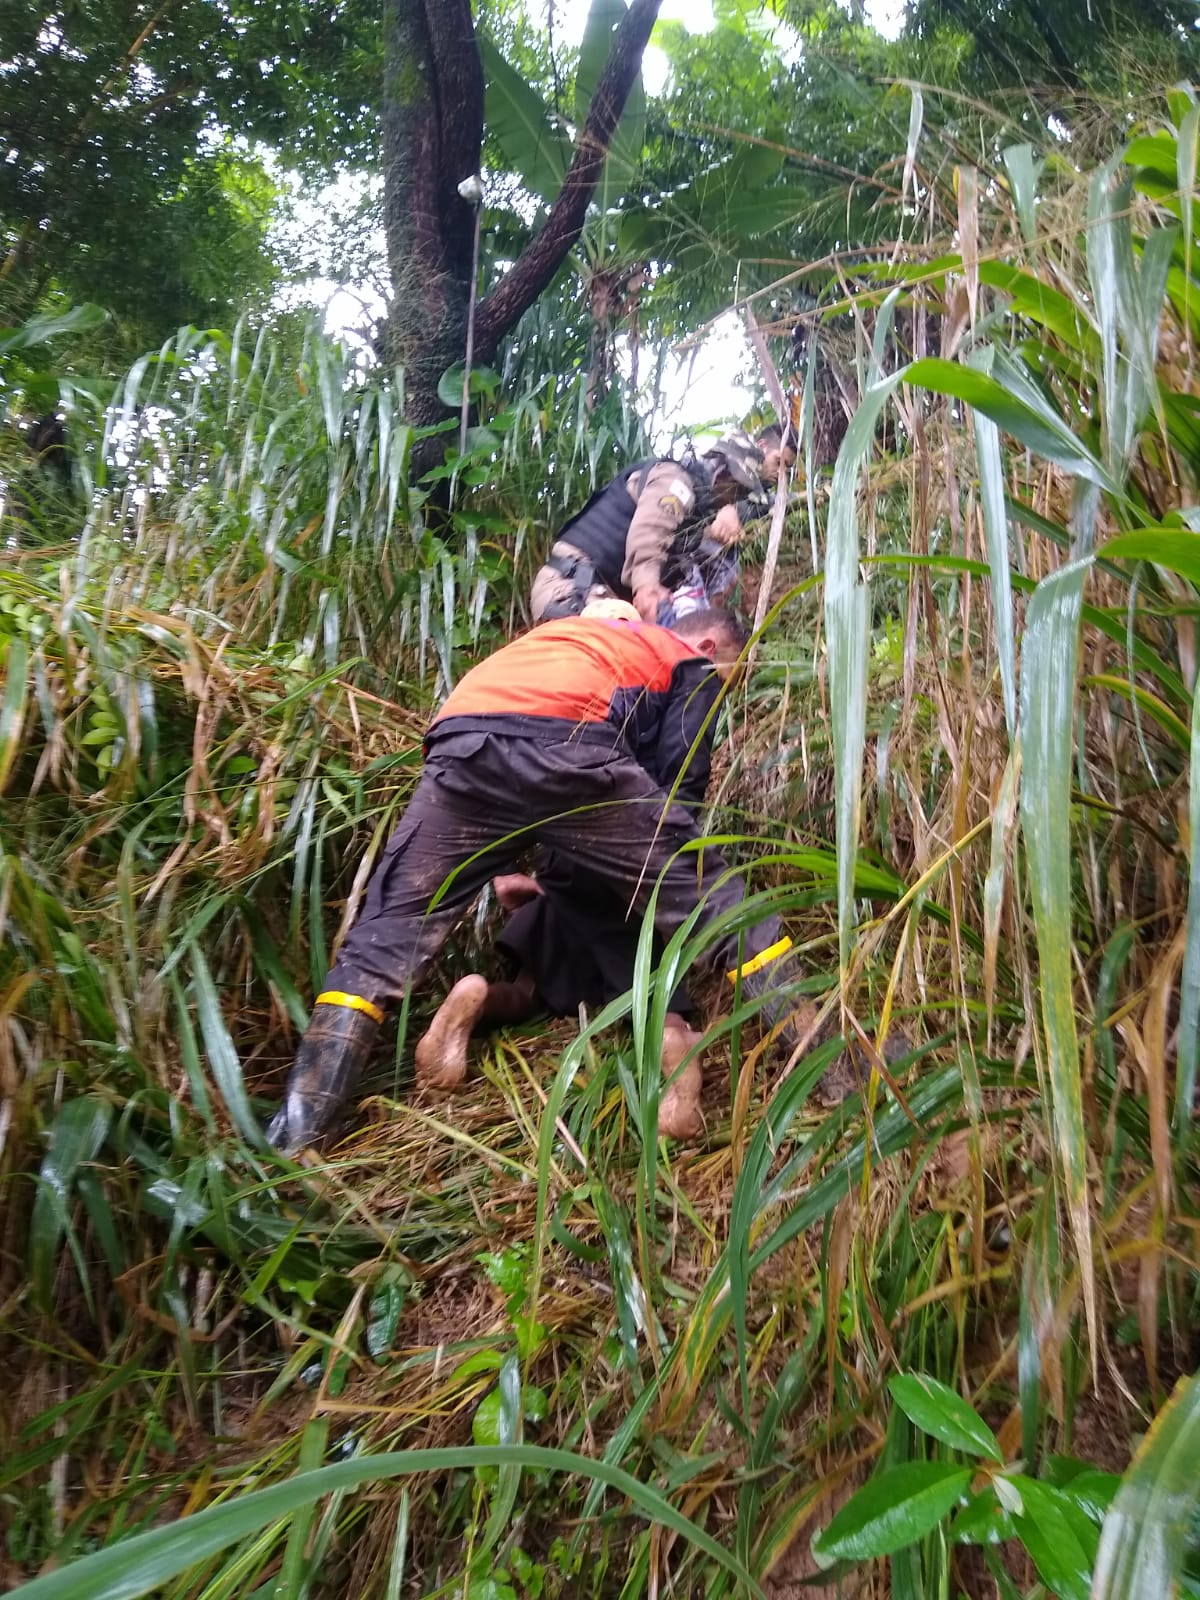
(432, 136)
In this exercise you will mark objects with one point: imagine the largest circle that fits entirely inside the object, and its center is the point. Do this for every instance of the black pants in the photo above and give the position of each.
(482, 801)
(577, 940)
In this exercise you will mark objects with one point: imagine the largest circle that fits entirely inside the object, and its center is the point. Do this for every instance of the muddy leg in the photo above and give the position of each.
(442, 1052)
(471, 1004)
(679, 1115)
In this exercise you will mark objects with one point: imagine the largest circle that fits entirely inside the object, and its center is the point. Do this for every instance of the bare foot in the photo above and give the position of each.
(679, 1115)
(515, 889)
(442, 1053)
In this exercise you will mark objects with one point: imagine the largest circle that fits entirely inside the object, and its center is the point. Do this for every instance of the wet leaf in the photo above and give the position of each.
(1144, 1539)
(75, 1139)
(383, 1318)
(937, 1410)
(893, 1510)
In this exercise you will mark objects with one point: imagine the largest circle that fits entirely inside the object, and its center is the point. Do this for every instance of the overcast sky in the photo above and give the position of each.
(570, 15)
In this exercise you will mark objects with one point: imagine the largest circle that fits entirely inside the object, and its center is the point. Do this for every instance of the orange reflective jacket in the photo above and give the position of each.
(626, 682)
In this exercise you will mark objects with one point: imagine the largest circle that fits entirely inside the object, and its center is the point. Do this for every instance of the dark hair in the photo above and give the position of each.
(725, 624)
(769, 437)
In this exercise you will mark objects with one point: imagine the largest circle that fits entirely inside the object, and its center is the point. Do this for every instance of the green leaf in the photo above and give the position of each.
(747, 217)
(1189, 991)
(937, 1410)
(1177, 549)
(1024, 174)
(847, 618)
(488, 1360)
(222, 1056)
(383, 1318)
(519, 121)
(270, 964)
(1145, 1535)
(998, 398)
(1048, 671)
(12, 708)
(629, 137)
(1092, 1491)
(745, 177)
(450, 384)
(982, 1520)
(995, 522)
(893, 1510)
(51, 325)
(485, 1424)
(75, 1139)
(645, 231)
(1156, 151)
(135, 1566)
(1034, 299)
(1053, 1530)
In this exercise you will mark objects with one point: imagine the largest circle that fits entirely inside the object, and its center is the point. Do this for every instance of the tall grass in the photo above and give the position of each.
(604, 1368)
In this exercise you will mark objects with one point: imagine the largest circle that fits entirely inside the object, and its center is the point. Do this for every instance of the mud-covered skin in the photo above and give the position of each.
(329, 1063)
(441, 1055)
(679, 1115)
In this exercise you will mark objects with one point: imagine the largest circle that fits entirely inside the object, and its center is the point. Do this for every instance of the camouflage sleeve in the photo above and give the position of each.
(664, 500)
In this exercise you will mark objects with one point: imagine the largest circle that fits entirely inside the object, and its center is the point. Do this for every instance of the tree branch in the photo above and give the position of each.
(545, 253)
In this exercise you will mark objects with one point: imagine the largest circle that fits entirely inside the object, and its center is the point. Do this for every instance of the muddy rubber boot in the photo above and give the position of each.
(679, 1115)
(442, 1052)
(336, 1046)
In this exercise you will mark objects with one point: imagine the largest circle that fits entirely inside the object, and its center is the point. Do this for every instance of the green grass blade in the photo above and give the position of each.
(222, 1056)
(1000, 397)
(1048, 670)
(1189, 992)
(1102, 260)
(1023, 175)
(1145, 1534)
(1176, 548)
(995, 523)
(292, 1585)
(138, 1565)
(846, 621)
(395, 1579)
(1188, 143)
(12, 707)
(75, 1139)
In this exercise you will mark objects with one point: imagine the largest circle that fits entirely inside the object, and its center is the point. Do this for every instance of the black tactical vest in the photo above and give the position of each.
(600, 530)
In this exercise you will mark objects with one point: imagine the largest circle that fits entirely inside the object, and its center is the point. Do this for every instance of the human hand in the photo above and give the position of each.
(515, 889)
(648, 598)
(726, 527)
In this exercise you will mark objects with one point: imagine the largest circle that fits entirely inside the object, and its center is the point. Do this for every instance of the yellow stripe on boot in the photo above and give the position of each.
(350, 1002)
(763, 959)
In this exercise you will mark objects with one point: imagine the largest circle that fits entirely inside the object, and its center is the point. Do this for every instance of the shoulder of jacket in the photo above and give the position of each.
(672, 485)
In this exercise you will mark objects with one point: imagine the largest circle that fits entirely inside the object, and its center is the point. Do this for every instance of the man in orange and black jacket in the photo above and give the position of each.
(569, 738)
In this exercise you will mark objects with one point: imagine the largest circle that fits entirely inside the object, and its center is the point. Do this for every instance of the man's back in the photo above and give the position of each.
(574, 670)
